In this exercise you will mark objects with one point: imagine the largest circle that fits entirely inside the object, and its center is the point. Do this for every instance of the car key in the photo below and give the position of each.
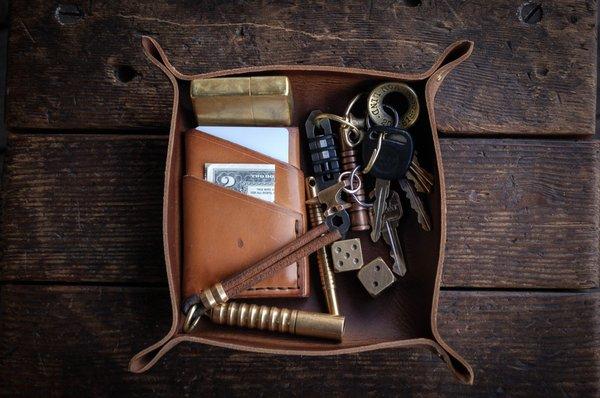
(413, 197)
(389, 159)
(392, 216)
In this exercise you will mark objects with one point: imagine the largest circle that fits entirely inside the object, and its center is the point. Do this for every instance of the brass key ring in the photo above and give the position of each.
(376, 109)
(190, 322)
(335, 118)
(346, 123)
(348, 140)
(375, 154)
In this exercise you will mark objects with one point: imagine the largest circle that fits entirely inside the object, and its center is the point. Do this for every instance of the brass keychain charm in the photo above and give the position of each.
(375, 106)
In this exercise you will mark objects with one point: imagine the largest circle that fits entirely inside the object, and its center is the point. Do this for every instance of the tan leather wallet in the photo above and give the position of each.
(224, 230)
(408, 318)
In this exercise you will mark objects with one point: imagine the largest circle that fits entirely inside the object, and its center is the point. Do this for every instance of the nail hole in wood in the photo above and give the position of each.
(412, 3)
(68, 14)
(530, 12)
(125, 73)
(542, 71)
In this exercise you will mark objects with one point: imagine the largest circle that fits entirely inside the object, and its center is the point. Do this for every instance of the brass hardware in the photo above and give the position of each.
(331, 197)
(192, 319)
(347, 255)
(346, 125)
(350, 158)
(376, 277)
(375, 154)
(209, 298)
(243, 101)
(282, 320)
(375, 106)
(327, 281)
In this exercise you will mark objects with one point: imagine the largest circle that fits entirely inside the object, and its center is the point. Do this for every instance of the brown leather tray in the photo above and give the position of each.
(405, 316)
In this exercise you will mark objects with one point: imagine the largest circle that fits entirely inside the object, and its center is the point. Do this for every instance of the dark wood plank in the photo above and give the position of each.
(78, 340)
(521, 213)
(80, 65)
(81, 209)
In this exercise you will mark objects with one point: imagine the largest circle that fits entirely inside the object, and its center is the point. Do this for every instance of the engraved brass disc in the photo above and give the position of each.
(375, 106)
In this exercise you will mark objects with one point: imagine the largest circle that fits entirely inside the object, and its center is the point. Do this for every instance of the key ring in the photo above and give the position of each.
(352, 191)
(350, 141)
(375, 154)
(190, 323)
(347, 128)
(353, 175)
(336, 118)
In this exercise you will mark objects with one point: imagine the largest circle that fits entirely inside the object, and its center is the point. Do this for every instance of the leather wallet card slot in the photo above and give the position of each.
(226, 231)
(202, 148)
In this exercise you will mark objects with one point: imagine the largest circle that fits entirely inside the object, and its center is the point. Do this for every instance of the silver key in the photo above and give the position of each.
(422, 179)
(419, 186)
(392, 216)
(390, 236)
(416, 204)
(381, 191)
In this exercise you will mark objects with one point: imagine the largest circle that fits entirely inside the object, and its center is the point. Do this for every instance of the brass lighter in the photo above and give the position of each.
(281, 320)
(243, 101)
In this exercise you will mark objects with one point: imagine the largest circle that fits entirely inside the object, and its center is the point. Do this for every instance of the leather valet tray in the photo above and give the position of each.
(404, 315)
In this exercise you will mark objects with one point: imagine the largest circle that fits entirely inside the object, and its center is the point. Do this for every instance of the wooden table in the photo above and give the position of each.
(83, 285)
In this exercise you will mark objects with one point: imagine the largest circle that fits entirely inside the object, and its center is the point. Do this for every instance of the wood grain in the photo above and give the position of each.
(87, 208)
(78, 340)
(522, 213)
(81, 209)
(80, 65)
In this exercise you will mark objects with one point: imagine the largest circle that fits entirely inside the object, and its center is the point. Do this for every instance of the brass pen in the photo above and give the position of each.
(325, 271)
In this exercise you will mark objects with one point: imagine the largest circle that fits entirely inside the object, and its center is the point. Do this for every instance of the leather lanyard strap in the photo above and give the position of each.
(300, 247)
(251, 276)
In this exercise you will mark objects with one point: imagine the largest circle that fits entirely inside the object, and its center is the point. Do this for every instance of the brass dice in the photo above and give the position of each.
(376, 277)
(347, 255)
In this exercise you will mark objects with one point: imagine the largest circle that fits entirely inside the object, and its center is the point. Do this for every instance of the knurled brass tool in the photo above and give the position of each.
(282, 320)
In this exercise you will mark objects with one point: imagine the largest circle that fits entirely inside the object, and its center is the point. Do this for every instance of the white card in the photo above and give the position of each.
(270, 141)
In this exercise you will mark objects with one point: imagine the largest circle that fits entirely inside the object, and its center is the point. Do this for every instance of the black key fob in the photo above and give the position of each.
(395, 154)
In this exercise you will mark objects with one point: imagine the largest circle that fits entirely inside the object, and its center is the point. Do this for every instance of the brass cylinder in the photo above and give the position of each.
(282, 320)
(325, 272)
(243, 101)
(359, 215)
